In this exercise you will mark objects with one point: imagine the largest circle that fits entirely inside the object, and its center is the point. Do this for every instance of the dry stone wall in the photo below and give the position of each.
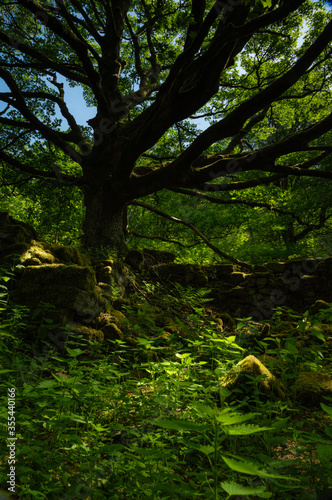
(80, 289)
(295, 284)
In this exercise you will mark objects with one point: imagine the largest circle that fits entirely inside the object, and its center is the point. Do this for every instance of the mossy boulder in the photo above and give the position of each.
(241, 377)
(311, 387)
(228, 323)
(135, 259)
(123, 277)
(103, 270)
(37, 254)
(88, 333)
(319, 305)
(71, 289)
(15, 236)
(111, 331)
(110, 324)
(69, 255)
(59, 274)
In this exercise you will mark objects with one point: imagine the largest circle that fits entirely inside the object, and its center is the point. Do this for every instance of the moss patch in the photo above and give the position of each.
(89, 333)
(311, 387)
(60, 274)
(253, 367)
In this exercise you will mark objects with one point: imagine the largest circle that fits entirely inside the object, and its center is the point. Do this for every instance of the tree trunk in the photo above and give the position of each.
(103, 226)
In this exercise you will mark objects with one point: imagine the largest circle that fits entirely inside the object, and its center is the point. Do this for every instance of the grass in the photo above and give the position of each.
(148, 417)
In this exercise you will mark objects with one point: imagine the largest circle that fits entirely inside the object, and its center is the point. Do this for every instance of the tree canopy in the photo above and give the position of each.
(224, 102)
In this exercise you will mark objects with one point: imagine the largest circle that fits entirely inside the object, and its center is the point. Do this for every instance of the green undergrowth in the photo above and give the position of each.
(149, 417)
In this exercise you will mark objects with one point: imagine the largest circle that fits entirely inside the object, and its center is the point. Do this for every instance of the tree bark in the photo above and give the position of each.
(103, 225)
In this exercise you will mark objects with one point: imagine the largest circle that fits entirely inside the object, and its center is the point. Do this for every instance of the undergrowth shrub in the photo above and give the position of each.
(150, 417)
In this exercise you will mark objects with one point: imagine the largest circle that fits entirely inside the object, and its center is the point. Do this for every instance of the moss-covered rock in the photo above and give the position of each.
(103, 272)
(88, 333)
(135, 259)
(15, 236)
(116, 315)
(37, 254)
(70, 255)
(184, 274)
(153, 256)
(143, 259)
(250, 367)
(318, 306)
(110, 324)
(227, 321)
(123, 277)
(111, 331)
(311, 388)
(59, 274)
(70, 288)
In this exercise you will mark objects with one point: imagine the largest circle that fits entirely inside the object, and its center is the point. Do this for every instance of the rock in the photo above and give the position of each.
(20, 238)
(110, 324)
(15, 236)
(103, 272)
(260, 269)
(123, 277)
(252, 367)
(112, 332)
(311, 387)
(117, 316)
(135, 259)
(89, 333)
(276, 267)
(236, 278)
(318, 306)
(68, 288)
(144, 259)
(227, 322)
(70, 255)
(158, 256)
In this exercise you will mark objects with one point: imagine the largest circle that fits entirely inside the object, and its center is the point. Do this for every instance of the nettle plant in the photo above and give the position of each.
(150, 418)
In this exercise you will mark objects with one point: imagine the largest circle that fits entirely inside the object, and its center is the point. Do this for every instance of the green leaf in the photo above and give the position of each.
(324, 452)
(290, 346)
(246, 467)
(181, 425)
(205, 410)
(74, 352)
(326, 408)
(328, 431)
(245, 430)
(280, 423)
(47, 384)
(235, 418)
(77, 418)
(182, 356)
(233, 488)
(206, 449)
(318, 334)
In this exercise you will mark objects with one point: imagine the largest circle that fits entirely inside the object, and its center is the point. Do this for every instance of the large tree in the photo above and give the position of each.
(151, 68)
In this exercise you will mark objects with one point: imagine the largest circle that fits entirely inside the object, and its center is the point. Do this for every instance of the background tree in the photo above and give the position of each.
(153, 69)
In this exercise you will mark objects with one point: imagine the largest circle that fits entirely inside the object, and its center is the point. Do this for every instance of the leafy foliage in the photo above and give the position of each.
(184, 122)
(151, 417)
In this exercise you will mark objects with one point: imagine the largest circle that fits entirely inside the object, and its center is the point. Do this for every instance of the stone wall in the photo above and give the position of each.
(80, 289)
(295, 284)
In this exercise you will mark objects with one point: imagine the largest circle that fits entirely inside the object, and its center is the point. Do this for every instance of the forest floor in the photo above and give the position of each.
(150, 415)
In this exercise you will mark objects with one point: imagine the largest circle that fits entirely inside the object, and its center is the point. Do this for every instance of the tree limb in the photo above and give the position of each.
(80, 48)
(166, 240)
(38, 173)
(195, 230)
